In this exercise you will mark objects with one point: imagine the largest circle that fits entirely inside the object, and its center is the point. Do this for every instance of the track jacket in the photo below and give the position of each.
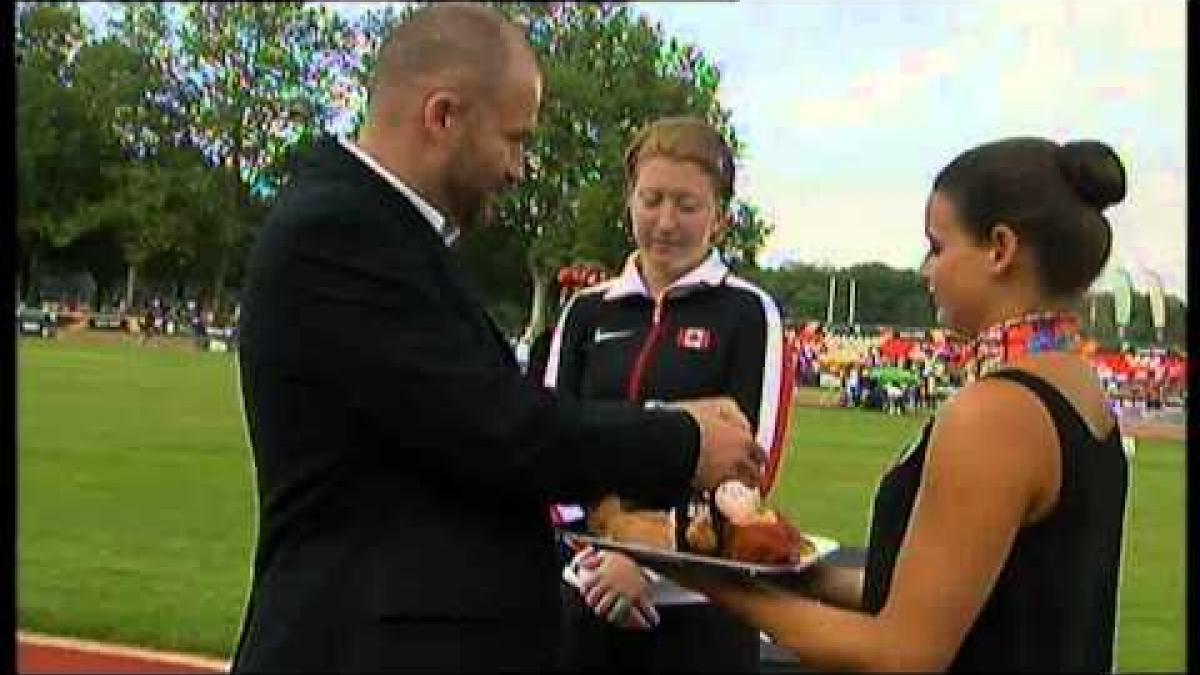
(712, 334)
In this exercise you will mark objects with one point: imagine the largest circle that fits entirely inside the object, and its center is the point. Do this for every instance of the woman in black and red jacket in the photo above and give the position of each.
(675, 324)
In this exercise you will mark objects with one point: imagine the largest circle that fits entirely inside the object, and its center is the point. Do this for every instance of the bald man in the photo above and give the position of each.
(404, 466)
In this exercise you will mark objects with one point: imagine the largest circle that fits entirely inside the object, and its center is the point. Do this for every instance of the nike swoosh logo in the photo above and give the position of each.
(605, 336)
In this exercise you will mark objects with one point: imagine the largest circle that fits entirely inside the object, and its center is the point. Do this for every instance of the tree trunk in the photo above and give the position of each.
(219, 279)
(130, 280)
(537, 314)
(229, 224)
(31, 279)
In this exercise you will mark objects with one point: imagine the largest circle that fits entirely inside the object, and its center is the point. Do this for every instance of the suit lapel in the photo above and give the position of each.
(472, 304)
(463, 296)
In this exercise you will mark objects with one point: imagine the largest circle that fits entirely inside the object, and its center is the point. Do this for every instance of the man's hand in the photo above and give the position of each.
(720, 407)
(727, 448)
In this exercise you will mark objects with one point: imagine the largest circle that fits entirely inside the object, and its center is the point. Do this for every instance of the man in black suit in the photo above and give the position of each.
(404, 467)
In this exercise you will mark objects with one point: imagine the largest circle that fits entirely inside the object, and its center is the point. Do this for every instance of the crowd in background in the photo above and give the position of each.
(898, 371)
(883, 368)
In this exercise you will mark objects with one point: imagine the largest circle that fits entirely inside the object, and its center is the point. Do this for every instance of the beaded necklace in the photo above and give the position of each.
(1033, 333)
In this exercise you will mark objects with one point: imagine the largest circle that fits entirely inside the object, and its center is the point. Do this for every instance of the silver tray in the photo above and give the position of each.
(662, 559)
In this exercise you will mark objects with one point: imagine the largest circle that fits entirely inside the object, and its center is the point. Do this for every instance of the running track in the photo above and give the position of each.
(44, 654)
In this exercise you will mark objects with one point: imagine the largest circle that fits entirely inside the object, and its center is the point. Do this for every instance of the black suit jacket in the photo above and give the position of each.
(403, 465)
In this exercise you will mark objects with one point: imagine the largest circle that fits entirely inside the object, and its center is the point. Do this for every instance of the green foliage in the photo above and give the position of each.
(103, 124)
(608, 73)
(747, 235)
(249, 80)
(802, 291)
(246, 83)
(885, 295)
(162, 206)
(1140, 332)
(48, 37)
(60, 149)
(144, 113)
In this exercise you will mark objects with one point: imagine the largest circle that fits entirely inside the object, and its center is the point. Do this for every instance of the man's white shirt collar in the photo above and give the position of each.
(436, 220)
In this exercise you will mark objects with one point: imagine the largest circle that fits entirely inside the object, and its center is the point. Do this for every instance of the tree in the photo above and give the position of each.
(747, 235)
(60, 145)
(158, 208)
(607, 74)
(140, 94)
(243, 83)
(898, 297)
(121, 89)
(889, 296)
(800, 290)
(106, 106)
(883, 295)
(1141, 333)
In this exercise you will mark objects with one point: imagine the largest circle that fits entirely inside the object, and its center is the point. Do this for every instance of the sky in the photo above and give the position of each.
(848, 109)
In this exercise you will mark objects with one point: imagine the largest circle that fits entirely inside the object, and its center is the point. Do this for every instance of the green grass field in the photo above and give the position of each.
(136, 504)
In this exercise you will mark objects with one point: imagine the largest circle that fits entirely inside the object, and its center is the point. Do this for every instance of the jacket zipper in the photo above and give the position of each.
(648, 346)
(635, 391)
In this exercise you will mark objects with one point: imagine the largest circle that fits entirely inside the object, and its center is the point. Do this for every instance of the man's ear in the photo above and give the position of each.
(442, 113)
(1004, 246)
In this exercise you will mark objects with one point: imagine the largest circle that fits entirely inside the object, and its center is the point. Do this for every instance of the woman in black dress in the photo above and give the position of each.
(996, 537)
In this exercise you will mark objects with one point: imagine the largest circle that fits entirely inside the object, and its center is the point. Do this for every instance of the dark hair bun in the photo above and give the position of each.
(1095, 172)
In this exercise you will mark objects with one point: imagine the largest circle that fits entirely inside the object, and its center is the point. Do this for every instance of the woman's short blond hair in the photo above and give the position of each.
(689, 139)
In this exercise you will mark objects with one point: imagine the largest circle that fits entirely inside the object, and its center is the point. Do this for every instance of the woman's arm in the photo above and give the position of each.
(761, 377)
(836, 585)
(986, 469)
(564, 359)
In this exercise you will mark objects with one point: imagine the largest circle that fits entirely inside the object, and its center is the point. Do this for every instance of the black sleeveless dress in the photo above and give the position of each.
(1054, 605)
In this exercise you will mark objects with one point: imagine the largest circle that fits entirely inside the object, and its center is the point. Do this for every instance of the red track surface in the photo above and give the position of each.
(40, 654)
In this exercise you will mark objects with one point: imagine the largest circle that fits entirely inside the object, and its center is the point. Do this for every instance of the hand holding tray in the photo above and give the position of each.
(664, 560)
